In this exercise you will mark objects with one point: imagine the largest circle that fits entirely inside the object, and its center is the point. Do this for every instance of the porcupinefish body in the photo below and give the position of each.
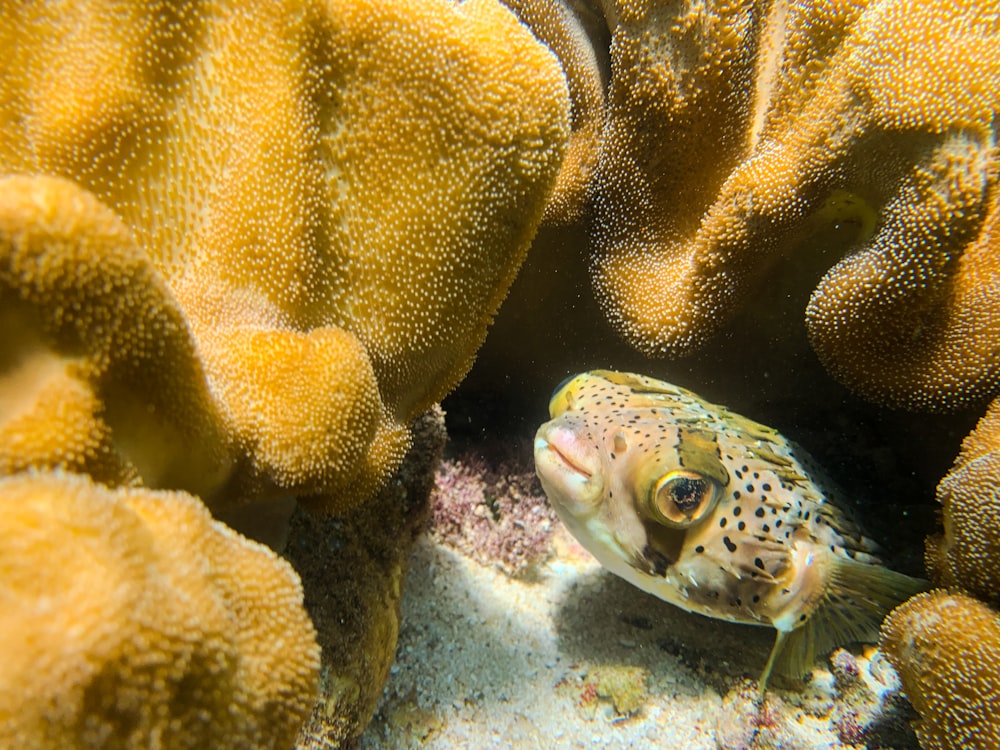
(712, 512)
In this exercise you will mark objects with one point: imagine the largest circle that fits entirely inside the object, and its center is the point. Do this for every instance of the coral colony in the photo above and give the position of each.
(244, 247)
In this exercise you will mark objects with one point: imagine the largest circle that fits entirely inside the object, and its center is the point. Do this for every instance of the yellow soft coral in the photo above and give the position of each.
(325, 203)
(319, 208)
(967, 555)
(131, 619)
(568, 33)
(100, 373)
(733, 127)
(946, 648)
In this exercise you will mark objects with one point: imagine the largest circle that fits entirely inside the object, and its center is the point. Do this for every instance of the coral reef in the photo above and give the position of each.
(735, 130)
(946, 643)
(131, 619)
(98, 372)
(570, 31)
(352, 569)
(319, 209)
(967, 554)
(241, 248)
(946, 648)
(495, 514)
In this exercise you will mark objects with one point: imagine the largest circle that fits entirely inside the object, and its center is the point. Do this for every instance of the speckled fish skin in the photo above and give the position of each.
(712, 512)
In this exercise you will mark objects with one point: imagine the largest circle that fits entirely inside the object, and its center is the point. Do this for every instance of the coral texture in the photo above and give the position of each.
(311, 212)
(967, 554)
(131, 619)
(365, 551)
(946, 648)
(737, 129)
(568, 33)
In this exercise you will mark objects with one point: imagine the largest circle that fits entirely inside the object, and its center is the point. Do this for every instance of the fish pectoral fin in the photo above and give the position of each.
(857, 599)
(779, 642)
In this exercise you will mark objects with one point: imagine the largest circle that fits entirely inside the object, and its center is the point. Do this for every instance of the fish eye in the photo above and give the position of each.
(563, 397)
(681, 498)
(562, 384)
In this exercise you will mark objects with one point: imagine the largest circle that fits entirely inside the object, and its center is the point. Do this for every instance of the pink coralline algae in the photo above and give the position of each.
(494, 514)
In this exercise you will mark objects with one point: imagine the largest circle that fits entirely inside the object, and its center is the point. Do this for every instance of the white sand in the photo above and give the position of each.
(485, 661)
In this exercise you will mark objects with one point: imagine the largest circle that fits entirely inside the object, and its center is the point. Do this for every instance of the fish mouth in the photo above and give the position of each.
(566, 460)
(564, 451)
(570, 471)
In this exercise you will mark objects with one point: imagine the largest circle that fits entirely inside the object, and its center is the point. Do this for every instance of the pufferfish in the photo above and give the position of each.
(712, 512)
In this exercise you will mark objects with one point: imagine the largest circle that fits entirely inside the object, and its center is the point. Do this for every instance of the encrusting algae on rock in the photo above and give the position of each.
(712, 512)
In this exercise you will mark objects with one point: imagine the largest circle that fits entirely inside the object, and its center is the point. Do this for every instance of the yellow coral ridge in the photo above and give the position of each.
(946, 648)
(731, 126)
(568, 34)
(311, 212)
(967, 555)
(131, 619)
(99, 371)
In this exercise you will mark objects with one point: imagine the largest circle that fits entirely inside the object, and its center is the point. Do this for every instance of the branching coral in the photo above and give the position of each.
(967, 555)
(131, 619)
(946, 648)
(736, 127)
(319, 208)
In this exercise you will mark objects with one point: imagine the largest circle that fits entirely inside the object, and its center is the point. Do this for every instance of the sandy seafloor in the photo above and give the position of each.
(572, 657)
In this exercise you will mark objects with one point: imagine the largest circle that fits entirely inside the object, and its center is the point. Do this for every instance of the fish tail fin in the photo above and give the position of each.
(858, 597)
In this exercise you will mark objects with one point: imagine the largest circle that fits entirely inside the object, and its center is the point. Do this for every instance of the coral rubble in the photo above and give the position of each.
(497, 515)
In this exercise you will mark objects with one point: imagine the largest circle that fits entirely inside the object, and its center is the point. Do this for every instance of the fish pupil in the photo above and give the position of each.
(687, 493)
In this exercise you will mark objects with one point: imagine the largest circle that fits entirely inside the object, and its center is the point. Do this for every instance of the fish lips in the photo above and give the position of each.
(568, 468)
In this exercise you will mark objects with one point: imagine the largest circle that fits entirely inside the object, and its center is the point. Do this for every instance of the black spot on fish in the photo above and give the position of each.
(742, 526)
(729, 544)
(737, 510)
(699, 549)
(722, 522)
(758, 563)
(766, 487)
(759, 513)
(656, 562)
